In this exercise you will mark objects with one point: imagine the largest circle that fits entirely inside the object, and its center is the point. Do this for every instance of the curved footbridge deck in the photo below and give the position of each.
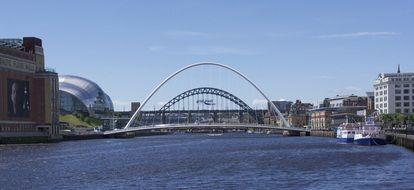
(131, 131)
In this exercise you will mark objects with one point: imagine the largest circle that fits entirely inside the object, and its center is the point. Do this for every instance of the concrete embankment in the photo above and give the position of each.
(403, 140)
(28, 139)
(323, 133)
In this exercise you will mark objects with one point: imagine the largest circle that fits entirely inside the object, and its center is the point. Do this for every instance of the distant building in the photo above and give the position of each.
(394, 92)
(134, 107)
(282, 105)
(122, 117)
(370, 102)
(81, 95)
(299, 115)
(29, 101)
(337, 110)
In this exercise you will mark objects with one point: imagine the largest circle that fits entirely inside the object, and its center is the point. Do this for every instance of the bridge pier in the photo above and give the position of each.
(189, 117)
(291, 133)
(241, 116)
(215, 117)
(163, 117)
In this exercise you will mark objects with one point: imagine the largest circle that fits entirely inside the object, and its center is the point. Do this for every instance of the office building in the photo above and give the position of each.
(394, 92)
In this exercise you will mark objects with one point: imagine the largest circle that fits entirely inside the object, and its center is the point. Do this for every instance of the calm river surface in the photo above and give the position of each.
(198, 161)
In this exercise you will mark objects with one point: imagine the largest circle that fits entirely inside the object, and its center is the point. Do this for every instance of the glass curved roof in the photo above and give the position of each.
(88, 92)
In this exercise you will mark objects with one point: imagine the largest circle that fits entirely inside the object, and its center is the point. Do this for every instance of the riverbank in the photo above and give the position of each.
(323, 134)
(29, 140)
(403, 140)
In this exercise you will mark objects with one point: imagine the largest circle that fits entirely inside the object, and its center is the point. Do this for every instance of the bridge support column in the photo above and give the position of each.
(189, 117)
(163, 117)
(291, 133)
(241, 116)
(215, 117)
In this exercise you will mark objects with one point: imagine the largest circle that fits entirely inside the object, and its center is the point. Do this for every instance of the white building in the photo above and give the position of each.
(394, 92)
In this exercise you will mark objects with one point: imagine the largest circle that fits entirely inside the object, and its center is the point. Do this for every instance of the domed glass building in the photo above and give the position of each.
(78, 94)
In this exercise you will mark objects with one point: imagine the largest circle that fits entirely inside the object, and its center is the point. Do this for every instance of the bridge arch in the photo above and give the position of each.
(213, 91)
(273, 107)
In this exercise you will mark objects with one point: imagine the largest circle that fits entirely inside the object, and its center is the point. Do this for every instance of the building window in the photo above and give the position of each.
(398, 104)
(381, 99)
(397, 86)
(398, 98)
(406, 85)
(406, 104)
(385, 92)
(376, 93)
(406, 91)
(380, 87)
(397, 110)
(385, 111)
(376, 88)
(406, 97)
(385, 87)
(406, 111)
(380, 105)
(380, 93)
(385, 105)
(412, 91)
(385, 98)
(376, 99)
(397, 91)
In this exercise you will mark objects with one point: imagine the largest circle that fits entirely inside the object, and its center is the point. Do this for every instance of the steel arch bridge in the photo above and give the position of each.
(272, 106)
(213, 91)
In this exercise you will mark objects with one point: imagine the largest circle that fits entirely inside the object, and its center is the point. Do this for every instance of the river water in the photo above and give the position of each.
(198, 161)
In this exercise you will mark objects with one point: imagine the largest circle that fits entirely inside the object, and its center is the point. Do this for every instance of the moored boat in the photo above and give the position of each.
(369, 134)
(345, 132)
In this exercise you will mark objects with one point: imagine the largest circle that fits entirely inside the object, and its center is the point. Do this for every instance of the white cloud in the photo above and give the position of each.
(259, 102)
(121, 103)
(162, 103)
(358, 34)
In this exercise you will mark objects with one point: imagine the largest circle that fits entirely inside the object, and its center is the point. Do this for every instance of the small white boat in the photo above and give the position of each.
(345, 132)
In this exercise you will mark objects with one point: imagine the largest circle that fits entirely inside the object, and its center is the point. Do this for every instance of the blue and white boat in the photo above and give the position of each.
(369, 134)
(345, 132)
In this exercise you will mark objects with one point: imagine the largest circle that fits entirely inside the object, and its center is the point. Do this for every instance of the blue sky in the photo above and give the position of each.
(304, 50)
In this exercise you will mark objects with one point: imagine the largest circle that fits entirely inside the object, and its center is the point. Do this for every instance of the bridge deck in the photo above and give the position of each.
(205, 126)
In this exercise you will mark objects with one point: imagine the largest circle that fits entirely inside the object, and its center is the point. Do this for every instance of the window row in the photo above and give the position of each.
(381, 87)
(380, 99)
(405, 111)
(380, 93)
(404, 85)
(405, 91)
(404, 97)
(405, 104)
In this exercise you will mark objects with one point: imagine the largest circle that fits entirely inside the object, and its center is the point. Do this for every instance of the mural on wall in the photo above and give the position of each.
(18, 98)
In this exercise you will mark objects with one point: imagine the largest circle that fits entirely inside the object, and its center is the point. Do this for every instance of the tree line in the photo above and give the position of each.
(397, 120)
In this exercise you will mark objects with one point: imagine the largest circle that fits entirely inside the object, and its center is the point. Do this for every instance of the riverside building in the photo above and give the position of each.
(394, 92)
(29, 105)
(337, 110)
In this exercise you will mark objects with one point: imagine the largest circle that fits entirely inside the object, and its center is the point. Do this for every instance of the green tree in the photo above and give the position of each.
(399, 119)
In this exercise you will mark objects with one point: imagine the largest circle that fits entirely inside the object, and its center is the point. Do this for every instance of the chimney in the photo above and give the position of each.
(398, 69)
